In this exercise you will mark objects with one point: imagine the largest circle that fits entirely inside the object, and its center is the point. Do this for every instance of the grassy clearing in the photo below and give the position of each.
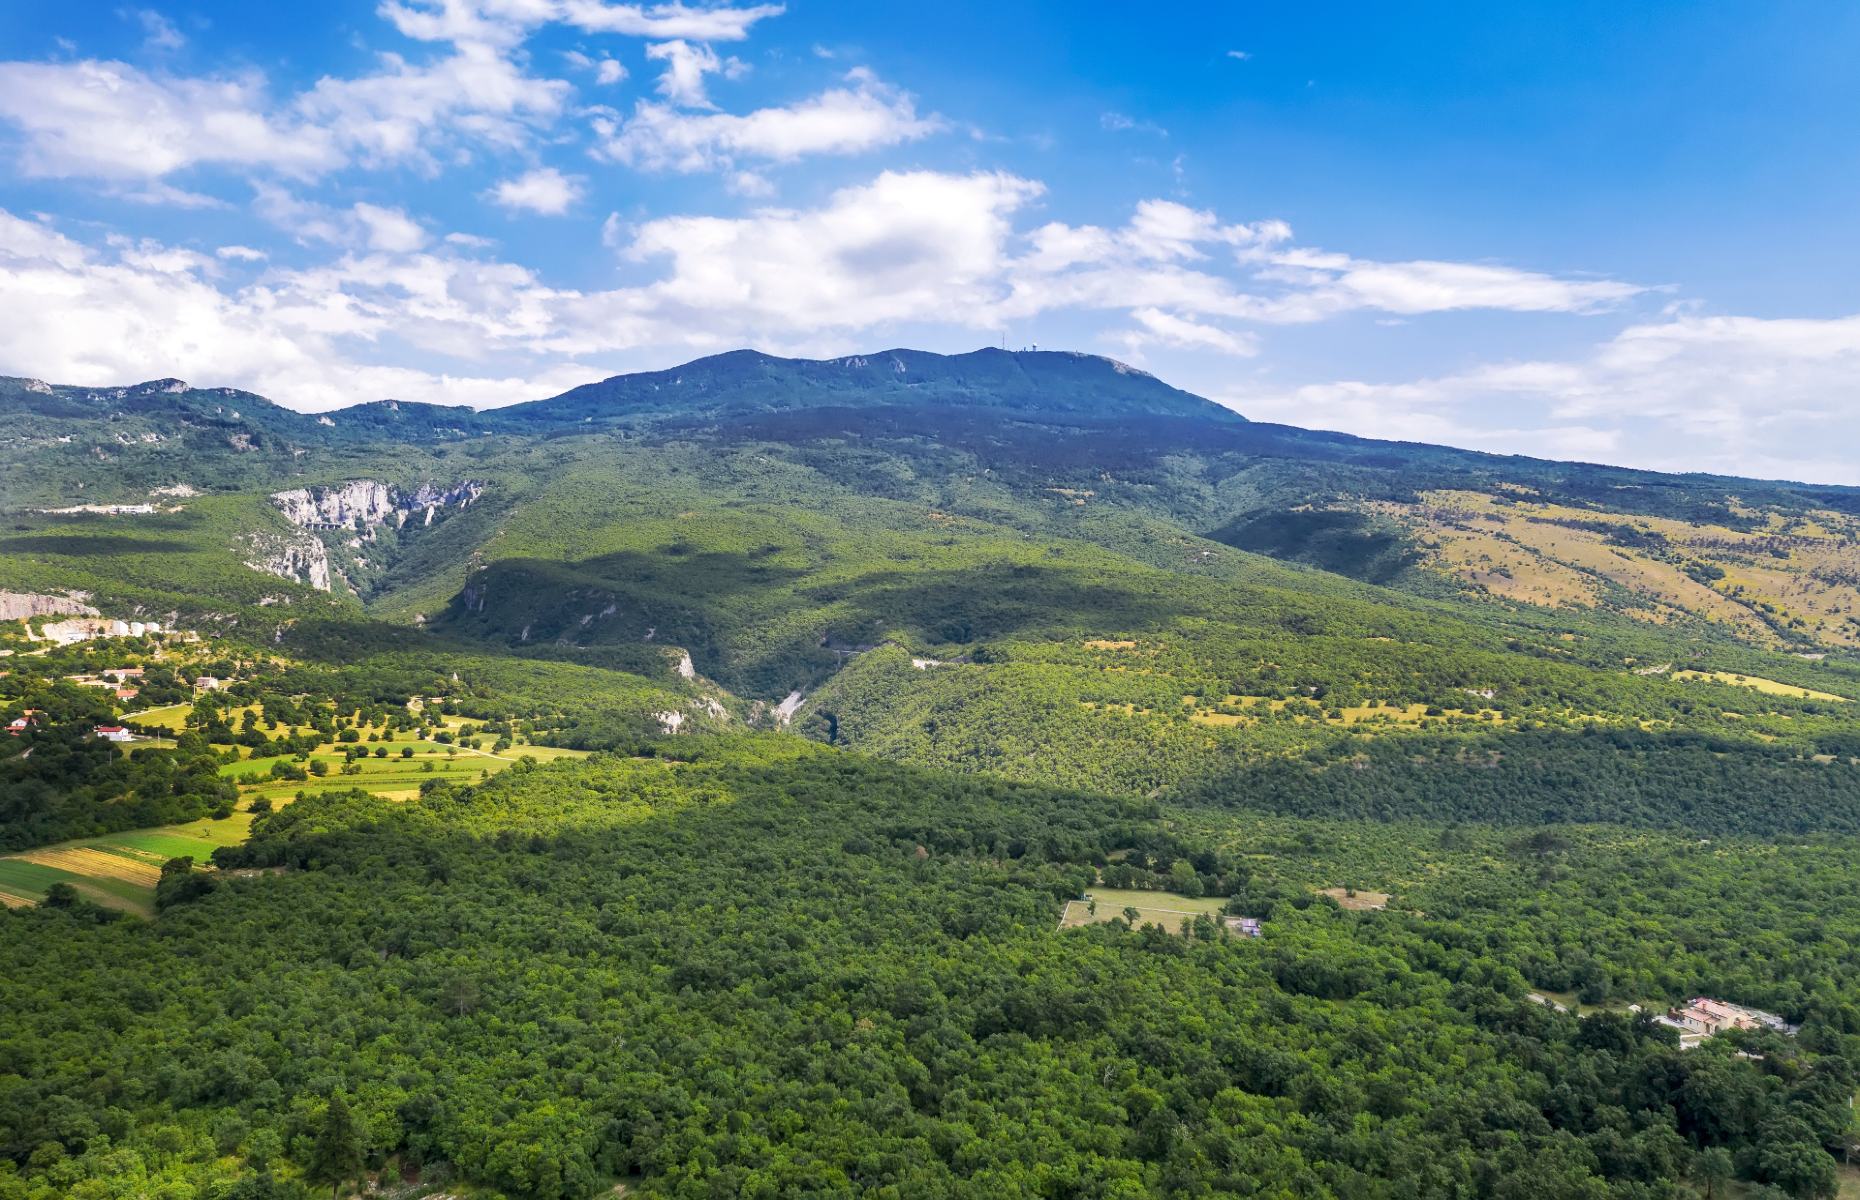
(1167, 909)
(397, 776)
(1769, 687)
(1357, 900)
(173, 716)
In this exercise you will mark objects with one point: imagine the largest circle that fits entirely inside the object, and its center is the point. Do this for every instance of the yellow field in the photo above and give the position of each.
(1769, 686)
(1105, 644)
(1216, 713)
(96, 864)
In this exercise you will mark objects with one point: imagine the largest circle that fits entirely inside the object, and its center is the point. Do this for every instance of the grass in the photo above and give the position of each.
(117, 870)
(172, 716)
(120, 870)
(395, 777)
(1357, 900)
(1167, 909)
(1768, 687)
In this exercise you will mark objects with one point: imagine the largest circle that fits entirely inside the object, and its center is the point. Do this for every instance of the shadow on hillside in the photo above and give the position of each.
(88, 546)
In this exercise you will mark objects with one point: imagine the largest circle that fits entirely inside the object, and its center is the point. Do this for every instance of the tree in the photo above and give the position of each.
(336, 1156)
(1714, 1167)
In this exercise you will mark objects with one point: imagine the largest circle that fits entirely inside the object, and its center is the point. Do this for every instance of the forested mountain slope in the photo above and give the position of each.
(951, 708)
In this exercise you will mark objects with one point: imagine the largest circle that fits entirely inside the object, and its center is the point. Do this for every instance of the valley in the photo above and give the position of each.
(740, 780)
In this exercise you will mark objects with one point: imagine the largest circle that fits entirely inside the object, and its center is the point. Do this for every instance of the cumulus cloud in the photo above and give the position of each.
(606, 71)
(392, 115)
(98, 316)
(545, 191)
(111, 121)
(158, 31)
(704, 24)
(906, 249)
(1156, 327)
(1737, 395)
(863, 116)
(389, 229)
(505, 22)
(686, 65)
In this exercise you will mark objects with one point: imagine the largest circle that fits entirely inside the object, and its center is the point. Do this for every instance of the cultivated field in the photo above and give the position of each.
(120, 870)
(117, 870)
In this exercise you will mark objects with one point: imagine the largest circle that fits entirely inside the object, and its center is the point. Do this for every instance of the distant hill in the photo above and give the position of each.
(1046, 443)
(743, 381)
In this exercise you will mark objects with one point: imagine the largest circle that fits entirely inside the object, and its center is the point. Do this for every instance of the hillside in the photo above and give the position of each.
(994, 775)
(1043, 565)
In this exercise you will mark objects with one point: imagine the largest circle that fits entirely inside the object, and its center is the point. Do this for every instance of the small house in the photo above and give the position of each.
(114, 733)
(1248, 927)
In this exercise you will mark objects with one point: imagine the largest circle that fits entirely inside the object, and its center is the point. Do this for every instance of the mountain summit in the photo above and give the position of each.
(1025, 381)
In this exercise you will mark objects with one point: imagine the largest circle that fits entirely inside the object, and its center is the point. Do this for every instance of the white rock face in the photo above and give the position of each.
(360, 507)
(20, 606)
(301, 558)
(686, 669)
(791, 704)
(365, 503)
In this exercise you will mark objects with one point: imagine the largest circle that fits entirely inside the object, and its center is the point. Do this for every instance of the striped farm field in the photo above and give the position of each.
(118, 870)
(96, 864)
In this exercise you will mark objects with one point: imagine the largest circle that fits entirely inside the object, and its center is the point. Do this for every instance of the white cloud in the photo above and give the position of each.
(1117, 122)
(1185, 261)
(847, 120)
(159, 32)
(111, 121)
(545, 190)
(686, 65)
(707, 24)
(905, 250)
(1239, 55)
(114, 122)
(506, 22)
(1736, 395)
(1157, 327)
(241, 254)
(390, 229)
(1337, 282)
(114, 315)
(905, 246)
(393, 115)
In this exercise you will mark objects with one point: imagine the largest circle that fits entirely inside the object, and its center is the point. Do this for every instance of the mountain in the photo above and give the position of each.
(745, 381)
(971, 776)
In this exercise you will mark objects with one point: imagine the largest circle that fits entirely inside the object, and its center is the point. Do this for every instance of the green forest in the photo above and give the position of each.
(808, 784)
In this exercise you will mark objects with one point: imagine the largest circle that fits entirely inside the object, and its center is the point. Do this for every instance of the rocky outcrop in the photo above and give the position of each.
(23, 606)
(346, 518)
(363, 504)
(300, 557)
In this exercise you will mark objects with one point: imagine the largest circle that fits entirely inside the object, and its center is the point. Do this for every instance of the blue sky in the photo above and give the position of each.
(1622, 233)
